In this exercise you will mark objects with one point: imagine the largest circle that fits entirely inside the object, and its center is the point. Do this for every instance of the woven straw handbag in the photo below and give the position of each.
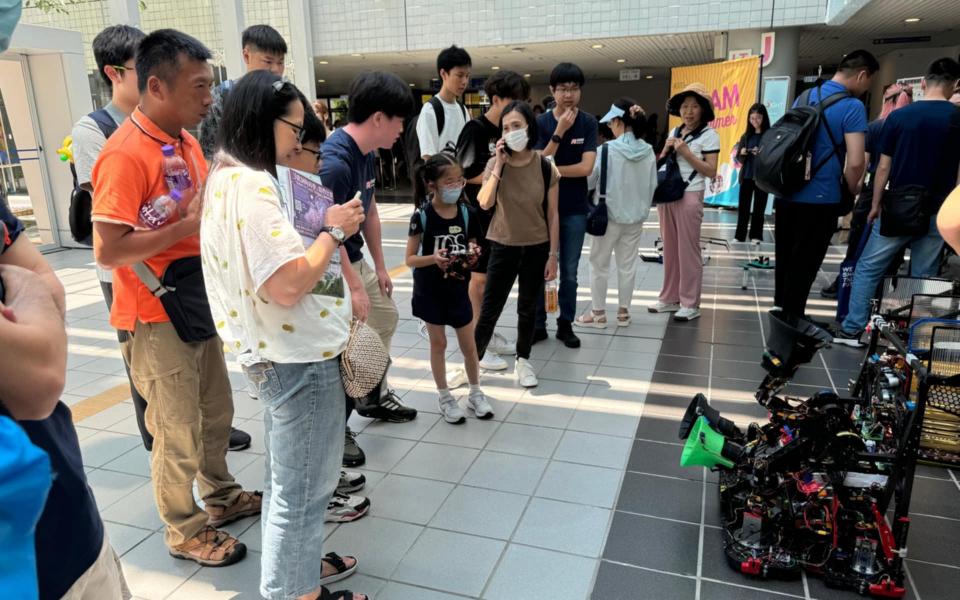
(364, 362)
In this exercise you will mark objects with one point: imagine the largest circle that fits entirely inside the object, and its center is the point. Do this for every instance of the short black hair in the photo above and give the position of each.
(376, 91)
(451, 58)
(859, 60)
(249, 112)
(566, 73)
(264, 38)
(159, 54)
(114, 46)
(523, 107)
(507, 85)
(943, 71)
(313, 130)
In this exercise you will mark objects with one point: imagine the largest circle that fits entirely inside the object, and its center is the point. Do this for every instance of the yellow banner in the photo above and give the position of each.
(733, 88)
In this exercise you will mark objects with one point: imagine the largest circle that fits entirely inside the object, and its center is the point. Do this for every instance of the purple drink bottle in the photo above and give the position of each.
(175, 171)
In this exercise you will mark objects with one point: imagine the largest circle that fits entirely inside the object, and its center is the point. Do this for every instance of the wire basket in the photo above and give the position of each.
(926, 312)
(896, 294)
(940, 437)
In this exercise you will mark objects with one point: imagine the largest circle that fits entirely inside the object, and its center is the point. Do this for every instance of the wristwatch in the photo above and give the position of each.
(556, 139)
(336, 233)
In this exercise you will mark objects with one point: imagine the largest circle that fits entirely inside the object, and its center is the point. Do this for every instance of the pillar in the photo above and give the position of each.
(301, 47)
(231, 14)
(124, 12)
(785, 55)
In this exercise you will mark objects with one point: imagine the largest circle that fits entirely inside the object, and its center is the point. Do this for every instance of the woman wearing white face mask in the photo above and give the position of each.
(523, 234)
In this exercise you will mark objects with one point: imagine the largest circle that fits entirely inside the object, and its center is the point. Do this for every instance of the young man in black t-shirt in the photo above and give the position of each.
(475, 147)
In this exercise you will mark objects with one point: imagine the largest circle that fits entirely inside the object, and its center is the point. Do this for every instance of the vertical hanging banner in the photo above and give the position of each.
(733, 89)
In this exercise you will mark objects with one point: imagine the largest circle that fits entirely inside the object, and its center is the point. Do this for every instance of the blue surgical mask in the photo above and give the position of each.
(451, 195)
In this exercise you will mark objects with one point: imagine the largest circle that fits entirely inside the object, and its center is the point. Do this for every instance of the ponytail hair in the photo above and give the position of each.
(636, 120)
(430, 172)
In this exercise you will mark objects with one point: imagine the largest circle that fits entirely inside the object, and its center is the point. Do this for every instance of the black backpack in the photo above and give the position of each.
(411, 143)
(783, 164)
(81, 203)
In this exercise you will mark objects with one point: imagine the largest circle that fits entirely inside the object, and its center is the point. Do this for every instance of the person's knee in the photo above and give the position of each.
(438, 343)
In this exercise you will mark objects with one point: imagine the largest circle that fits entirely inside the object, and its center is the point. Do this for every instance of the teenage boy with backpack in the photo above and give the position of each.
(443, 117)
(807, 217)
(919, 158)
(568, 135)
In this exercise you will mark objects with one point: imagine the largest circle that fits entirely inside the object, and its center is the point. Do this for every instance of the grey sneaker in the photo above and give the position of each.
(479, 405)
(351, 481)
(451, 411)
(344, 508)
(353, 455)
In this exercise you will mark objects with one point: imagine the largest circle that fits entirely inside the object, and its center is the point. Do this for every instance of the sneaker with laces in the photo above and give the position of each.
(687, 314)
(492, 362)
(390, 409)
(451, 411)
(350, 481)
(525, 373)
(353, 455)
(456, 377)
(422, 330)
(500, 345)
(344, 508)
(663, 307)
(848, 338)
(478, 403)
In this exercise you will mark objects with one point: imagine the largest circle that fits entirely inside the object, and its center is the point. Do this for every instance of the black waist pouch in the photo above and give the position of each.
(184, 297)
(905, 211)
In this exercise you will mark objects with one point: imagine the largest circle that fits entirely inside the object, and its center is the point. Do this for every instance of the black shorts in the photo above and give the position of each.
(449, 305)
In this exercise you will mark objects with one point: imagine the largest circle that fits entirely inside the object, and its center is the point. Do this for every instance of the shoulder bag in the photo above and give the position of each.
(597, 217)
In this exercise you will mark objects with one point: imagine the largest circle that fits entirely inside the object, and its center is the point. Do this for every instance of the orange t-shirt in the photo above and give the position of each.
(129, 172)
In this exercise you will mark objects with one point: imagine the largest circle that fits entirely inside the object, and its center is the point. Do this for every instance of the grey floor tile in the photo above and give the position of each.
(133, 462)
(103, 447)
(451, 562)
(124, 537)
(710, 589)
(596, 417)
(635, 344)
(152, 573)
(472, 434)
(110, 487)
(641, 361)
(535, 574)
(423, 400)
(620, 581)
(938, 498)
(660, 459)
(581, 484)
(631, 541)
(411, 430)
(543, 415)
(383, 453)
(582, 532)
(661, 497)
(480, 512)
(632, 380)
(505, 472)
(659, 427)
(528, 440)
(107, 417)
(436, 461)
(379, 544)
(934, 540)
(593, 449)
(408, 499)
(715, 566)
(400, 591)
(583, 356)
(569, 372)
(241, 581)
(137, 509)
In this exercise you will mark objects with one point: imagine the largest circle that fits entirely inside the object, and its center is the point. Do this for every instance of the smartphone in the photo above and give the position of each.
(3, 295)
(507, 149)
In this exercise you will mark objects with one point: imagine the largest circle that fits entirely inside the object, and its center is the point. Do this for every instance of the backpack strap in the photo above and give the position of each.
(546, 171)
(422, 213)
(602, 196)
(104, 122)
(465, 214)
(822, 105)
(439, 114)
(463, 109)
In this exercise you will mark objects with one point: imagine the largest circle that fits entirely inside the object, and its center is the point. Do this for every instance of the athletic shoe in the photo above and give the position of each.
(353, 455)
(500, 345)
(422, 330)
(539, 335)
(239, 440)
(566, 335)
(663, 307)
(687, 314)
(390, 409)
(344, 508)
(830, 292)
(479, 405)
(456, 377)
(451, 411)
(492, 362)
(846, 338)
(351, 481)
(525, 373)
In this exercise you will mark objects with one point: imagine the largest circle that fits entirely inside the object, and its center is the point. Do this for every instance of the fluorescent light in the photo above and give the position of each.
(413, 85)
(495, 68)
(597, 46)
(526, 74)
(912, 20)
(321, 81)
(323, 62)
(649, 76)
(356, 54)
(621, 60)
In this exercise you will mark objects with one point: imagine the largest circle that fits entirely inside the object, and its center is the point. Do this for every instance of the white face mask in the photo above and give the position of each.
(516, 140)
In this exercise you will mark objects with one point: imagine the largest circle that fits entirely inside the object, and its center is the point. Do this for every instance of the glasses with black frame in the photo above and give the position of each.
(278, 86)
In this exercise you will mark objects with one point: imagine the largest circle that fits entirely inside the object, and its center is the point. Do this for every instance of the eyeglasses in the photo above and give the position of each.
(278, 84)
(120, 68)
(573, 89)
(317, 153)
(301, 132)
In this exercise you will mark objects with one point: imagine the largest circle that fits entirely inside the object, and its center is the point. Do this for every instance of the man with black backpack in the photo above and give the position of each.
(443, 117)
(919, 159)
(817, 177)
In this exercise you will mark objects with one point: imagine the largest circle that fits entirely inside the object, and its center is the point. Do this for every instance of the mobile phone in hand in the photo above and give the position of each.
(3, 294)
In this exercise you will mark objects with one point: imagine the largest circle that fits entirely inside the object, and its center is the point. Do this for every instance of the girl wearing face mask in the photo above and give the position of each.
(441, 250)
(523, 234)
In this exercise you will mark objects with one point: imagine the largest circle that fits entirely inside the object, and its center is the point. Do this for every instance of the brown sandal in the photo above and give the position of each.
(247, 505)
(211, 548)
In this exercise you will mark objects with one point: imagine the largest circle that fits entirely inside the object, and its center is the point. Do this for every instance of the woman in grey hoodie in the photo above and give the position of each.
(630, 182)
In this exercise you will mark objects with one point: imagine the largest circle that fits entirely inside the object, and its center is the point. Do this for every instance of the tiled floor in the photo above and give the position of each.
(574, 490)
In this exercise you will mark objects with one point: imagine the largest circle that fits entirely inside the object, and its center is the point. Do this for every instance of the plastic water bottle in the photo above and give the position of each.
(175, 170)
(155, 213)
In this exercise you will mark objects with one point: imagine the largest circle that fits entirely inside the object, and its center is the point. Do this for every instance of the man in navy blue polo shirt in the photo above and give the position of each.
(569, 136)
(807, 219)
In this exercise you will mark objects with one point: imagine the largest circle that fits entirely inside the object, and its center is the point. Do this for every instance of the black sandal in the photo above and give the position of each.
(334, 560)
(326, 594)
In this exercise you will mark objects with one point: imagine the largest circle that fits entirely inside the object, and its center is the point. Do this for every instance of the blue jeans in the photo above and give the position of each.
(303, 421)
(573, 230)
(879, 251)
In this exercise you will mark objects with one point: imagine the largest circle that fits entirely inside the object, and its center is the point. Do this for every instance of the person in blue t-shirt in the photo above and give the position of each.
(807, 219)
(918, 148)
(569, 136)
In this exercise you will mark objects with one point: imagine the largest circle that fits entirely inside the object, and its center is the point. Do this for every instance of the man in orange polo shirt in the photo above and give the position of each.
(189, 401)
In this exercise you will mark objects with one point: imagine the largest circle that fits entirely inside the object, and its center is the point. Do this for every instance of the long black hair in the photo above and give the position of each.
(635, 123)
(257, 100)
(760, 109)
(430, 172)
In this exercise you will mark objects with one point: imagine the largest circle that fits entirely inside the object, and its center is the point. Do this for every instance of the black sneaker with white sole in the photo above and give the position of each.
(390, 409)
(239, 440)
(846, 338)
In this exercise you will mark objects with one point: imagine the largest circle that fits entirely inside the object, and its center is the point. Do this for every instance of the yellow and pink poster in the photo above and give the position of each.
(733, 89)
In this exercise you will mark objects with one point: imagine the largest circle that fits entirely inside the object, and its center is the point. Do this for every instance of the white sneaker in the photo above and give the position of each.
(451, 411)
(492, 362)
(479, 405)
(500, 345)
(663, 307)
(525, 373)
(687, 314)
(422, 330)
(456, 377)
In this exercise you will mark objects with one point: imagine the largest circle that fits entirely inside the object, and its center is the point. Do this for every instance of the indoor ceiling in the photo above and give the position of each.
(654, 55)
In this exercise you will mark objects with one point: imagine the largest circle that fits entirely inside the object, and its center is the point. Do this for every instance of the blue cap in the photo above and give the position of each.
(615, 112)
